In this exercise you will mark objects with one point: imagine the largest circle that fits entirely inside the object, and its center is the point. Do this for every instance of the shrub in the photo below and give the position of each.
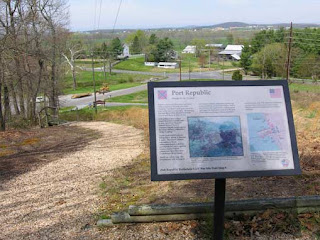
(237, 76)
(130, 79)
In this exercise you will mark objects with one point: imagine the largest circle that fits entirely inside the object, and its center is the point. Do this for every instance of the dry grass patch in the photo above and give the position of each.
(132, 184)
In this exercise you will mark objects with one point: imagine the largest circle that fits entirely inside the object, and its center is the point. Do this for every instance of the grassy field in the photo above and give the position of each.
(142, 97)
(314, 88)
(115, 81)
(188, 60)
(138, 97)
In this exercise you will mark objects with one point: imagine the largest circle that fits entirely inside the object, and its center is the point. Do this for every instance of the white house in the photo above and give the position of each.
(232, 52)
(126, 50)
(168, 65)
(125, 53)
(189, 49)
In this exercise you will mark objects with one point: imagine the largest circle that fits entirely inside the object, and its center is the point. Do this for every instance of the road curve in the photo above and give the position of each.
(66, 101)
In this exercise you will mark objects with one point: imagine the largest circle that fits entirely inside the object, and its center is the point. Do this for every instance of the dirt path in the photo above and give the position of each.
(59, 200)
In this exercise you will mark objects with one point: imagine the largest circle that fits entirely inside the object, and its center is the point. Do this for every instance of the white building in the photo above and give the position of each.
(125, 53)
(151, 64)
(190, 49)
(232, 52)
(168, 65)
(126, 50)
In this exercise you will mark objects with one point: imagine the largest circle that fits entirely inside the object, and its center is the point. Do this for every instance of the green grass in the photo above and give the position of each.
(138, 97)
(66, 109)
(115, 81)
(142, 97)
(305, 87)
(136, 64)
(189, 61)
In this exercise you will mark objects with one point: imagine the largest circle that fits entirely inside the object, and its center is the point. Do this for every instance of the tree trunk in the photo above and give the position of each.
(2, 121)
(20, 88)
(6, 102)
(104, 71)
(14, 98)
(53, 102)
(74, 78)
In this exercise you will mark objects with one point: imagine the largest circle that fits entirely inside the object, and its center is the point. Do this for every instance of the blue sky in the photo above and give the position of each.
(169, 13)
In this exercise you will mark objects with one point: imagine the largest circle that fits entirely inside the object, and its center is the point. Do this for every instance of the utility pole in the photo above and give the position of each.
(180, 69)
(94, 86)
(289, 53)
(189, 70)
(209, 59)
(223, 68)
(104, 70)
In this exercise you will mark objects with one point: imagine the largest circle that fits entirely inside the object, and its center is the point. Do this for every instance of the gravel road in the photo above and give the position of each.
(59, 200)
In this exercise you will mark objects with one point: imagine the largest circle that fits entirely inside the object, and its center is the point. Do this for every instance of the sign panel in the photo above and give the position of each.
(221, 129)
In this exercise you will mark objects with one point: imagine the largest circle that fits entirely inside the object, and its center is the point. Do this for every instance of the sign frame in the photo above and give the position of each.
(220, 175)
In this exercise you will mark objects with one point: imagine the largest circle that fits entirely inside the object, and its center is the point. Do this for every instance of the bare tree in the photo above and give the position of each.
(55, 14)
(75, 51)
(32, 37)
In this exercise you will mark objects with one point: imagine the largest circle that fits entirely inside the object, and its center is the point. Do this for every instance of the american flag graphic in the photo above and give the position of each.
(275, 93)
(162, 94)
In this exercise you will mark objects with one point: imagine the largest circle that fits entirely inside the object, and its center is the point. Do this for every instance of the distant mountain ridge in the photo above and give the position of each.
(229, 25)
(243, 25)
(225, 25)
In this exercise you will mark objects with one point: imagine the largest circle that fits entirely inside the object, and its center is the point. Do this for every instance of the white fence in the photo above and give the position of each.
(151, 64)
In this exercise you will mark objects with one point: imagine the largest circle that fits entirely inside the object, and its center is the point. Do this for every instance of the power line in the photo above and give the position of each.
(115, 22)
(306, 33)
(307, 39)
(95, 15)
(99, 14)
(308, 43)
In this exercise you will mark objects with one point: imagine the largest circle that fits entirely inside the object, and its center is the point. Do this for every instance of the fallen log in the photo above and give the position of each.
(194, 211)
(233, 206)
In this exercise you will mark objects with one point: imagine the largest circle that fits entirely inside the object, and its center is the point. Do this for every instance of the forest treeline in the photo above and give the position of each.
(266, 54)
(33, 35)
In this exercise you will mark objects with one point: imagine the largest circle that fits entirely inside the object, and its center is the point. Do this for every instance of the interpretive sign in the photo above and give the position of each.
(221, 129)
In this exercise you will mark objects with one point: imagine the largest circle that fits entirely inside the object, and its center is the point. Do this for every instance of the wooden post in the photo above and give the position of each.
(180, 70)
(94, 86)
(289, 54)
(209, 59)
(104, 70)
(189, 70)
(222, 68)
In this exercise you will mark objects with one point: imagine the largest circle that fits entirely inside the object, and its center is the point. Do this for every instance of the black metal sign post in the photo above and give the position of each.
(219, 204)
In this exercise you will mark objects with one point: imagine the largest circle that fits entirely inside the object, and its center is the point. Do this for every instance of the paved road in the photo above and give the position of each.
(66, 101)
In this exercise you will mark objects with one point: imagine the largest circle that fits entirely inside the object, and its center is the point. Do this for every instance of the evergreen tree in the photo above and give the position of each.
(162, 50)
(245, 61)
(153, 39)
(116, 47)
(135, 47)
